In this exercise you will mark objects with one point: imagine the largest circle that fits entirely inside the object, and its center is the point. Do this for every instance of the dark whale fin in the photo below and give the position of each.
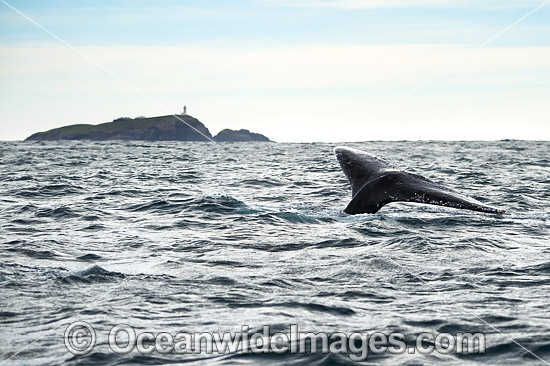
(375, 183)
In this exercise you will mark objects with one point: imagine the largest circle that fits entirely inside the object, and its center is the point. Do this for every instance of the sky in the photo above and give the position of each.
(294, 70)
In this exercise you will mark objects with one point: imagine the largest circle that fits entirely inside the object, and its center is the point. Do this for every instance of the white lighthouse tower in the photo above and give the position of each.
(184, 110)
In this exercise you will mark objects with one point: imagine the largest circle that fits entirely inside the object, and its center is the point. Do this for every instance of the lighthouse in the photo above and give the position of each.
(185, 110)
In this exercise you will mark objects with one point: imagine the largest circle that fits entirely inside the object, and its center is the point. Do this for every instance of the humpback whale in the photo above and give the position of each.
(375, 183)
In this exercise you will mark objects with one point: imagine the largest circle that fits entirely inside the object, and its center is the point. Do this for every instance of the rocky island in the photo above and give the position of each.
(163, 128)
(240, 135)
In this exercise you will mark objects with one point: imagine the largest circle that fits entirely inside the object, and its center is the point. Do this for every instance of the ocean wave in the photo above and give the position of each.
(160, 206)
(89, 257)
(220, 204)
(93, 274)
(263, 182)
(287, 217)
(49, 190)
(61, 212)
(34, 253)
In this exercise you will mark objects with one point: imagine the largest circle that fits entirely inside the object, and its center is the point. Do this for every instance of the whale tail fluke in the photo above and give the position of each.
(375, 183)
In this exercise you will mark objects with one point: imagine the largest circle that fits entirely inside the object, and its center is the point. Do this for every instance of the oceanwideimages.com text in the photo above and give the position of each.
(80, 339)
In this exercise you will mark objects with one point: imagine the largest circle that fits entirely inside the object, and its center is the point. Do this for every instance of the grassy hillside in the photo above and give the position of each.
(162, 128)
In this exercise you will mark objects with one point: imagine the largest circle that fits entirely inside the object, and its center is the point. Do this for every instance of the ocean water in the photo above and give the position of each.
(202, 237)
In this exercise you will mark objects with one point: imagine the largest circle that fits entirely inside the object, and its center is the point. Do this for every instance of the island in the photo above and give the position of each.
(176, 127)
(228, 135)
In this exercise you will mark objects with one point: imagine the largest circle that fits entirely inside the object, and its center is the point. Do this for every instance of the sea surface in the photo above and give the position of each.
(203, 237)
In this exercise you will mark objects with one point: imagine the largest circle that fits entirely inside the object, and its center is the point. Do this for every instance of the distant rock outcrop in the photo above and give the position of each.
(163, 128)
(228, 135)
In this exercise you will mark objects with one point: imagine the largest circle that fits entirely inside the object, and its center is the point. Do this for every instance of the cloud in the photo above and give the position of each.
(316, 85)
(368, 4)
(307, 66)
